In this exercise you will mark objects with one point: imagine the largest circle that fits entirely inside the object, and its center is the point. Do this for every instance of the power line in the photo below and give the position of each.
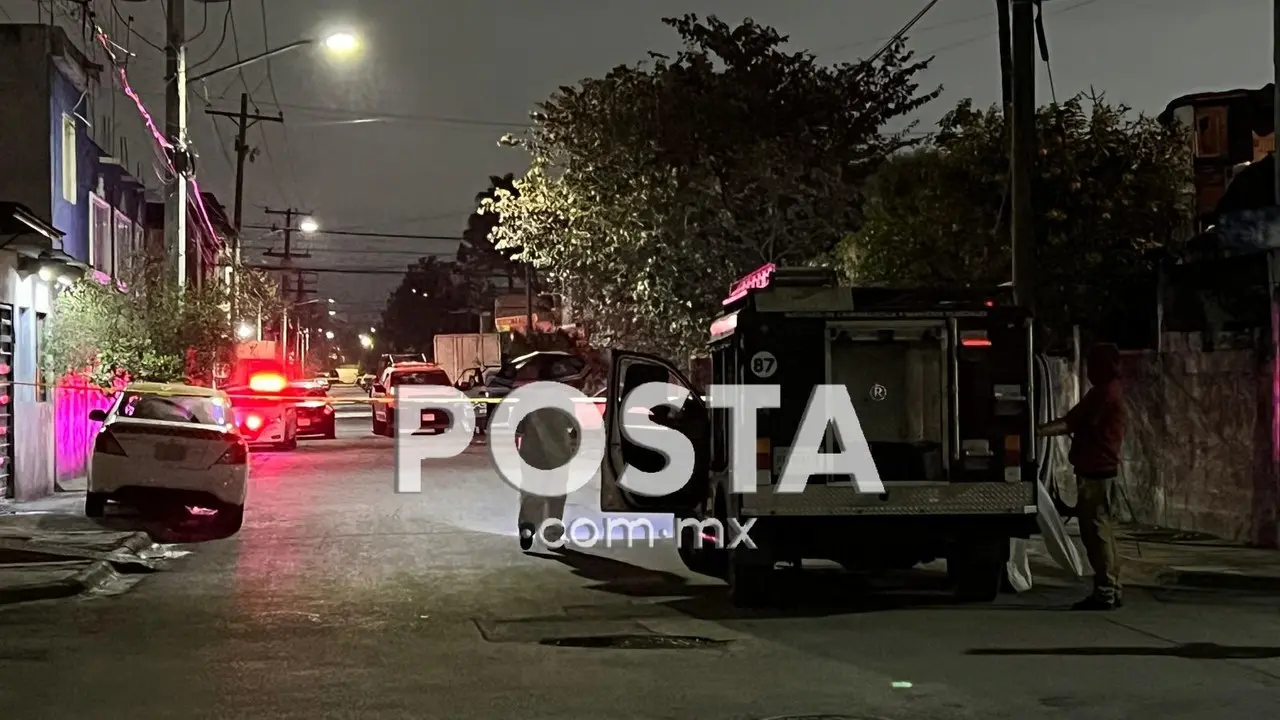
(899, 35)
(362, 251)
(128, 23)
(927, 28)
(352, 233)
(226, 22)
(984, 36)
(284, 128)
(375, 114)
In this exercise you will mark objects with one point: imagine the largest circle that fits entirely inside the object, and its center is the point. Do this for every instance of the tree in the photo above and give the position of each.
(1109, 189)
(431, 299)
(651, 189)
(144, 327)
(477, 255)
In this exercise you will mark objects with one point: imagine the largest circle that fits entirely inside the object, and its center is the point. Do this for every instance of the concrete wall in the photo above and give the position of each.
(33, 441)
(1197, 454)
(24, 119)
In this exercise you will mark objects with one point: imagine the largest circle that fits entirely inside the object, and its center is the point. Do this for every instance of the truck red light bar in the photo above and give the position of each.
(975, 342)
(755, 280)
(267, 383)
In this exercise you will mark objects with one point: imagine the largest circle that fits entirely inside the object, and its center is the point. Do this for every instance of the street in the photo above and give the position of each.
(340, 598)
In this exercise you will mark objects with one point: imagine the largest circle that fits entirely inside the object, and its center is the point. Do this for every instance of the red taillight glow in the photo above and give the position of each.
(268, 382)
(253, 422)
(237, 454)
(328, 409)
(106, 444)
(764, 456)
(976, 342)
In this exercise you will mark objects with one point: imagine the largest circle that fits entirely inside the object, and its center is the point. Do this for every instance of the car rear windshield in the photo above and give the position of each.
(173, 408)
(423, 377)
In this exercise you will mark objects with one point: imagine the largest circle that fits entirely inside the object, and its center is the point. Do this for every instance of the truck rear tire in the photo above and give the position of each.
(978, 569)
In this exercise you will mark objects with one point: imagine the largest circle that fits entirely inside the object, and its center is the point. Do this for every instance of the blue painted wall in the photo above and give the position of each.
(120, 189)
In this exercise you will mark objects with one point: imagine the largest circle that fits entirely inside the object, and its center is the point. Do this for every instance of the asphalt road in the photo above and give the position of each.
(342, 599)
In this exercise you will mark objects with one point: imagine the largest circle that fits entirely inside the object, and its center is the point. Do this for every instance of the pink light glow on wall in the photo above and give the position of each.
(74, 397)
(755, 280)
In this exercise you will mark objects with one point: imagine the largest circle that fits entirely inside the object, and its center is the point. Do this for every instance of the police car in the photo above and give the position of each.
(266, 411)
(942, 384)
(398, 375)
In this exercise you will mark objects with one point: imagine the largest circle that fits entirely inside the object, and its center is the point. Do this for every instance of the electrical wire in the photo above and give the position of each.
(927, 28)
(897, 37)
(226, 21)
(984, 36)
(204, 23)
(128, 23)
(284, 127)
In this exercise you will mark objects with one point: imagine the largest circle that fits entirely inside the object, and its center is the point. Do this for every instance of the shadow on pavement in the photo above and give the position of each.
(166, 524)
(800, 594)
(1188, 651)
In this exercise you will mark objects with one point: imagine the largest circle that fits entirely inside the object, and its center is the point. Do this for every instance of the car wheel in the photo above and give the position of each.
(290, 444)
(230, 518)
(379, 428)
(95, 504)
(332, 432)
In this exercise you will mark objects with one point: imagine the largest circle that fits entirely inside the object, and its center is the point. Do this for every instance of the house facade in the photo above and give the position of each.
(54, 176)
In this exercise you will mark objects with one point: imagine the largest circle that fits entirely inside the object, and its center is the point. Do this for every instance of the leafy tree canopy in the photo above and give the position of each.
(143, 326)
(1109, 188)
(651, 189)
(432, 298)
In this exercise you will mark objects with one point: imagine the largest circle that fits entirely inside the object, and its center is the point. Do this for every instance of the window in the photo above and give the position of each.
(424, 377)
(69, 158)
(43, 378)
(173, 408)
(100, 234)
(1211, 132)
(121, 244)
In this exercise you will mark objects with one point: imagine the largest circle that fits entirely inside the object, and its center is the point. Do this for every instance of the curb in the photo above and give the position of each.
(1199, 578)
(97, 574)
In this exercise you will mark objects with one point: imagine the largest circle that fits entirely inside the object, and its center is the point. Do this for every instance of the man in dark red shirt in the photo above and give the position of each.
(1096, 425)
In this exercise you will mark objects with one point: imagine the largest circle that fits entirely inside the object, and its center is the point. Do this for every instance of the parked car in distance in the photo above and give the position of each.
(316, 416)
(172, 444)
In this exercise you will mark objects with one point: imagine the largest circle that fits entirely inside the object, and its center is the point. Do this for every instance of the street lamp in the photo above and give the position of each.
(328, 334)
(244, 332)
(342, 43)
(309, 226)
(366, 342)
(338, 44)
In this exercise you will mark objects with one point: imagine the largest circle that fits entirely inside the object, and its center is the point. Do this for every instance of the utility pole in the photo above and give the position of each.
(244, 120)
(1275, 80)
(175, 130)
(1022, 151)
(286, 260)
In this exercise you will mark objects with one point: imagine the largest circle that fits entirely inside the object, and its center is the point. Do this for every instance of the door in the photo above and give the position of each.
(628, 371)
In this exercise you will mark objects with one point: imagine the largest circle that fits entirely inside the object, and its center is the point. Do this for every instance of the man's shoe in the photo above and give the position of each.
(527, 531)
(1093, 602)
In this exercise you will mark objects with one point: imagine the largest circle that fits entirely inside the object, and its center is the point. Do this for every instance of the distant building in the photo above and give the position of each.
(1228, 131)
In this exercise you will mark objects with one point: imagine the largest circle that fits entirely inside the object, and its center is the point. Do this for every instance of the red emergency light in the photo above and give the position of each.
(268, 382)
(755, 280)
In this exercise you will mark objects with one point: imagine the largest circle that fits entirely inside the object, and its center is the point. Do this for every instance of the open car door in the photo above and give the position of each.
(628, 371)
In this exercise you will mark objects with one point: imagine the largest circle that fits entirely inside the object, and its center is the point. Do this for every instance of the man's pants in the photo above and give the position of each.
(1097, 531)
(535, 510)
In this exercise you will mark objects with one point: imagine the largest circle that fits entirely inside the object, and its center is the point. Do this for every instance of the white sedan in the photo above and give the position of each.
(175, 443)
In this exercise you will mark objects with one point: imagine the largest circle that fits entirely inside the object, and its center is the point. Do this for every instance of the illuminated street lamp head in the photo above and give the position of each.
(366, 341)
(328, 335)
(332, 313)
(341, 43)
(244, 331)
(308, 225)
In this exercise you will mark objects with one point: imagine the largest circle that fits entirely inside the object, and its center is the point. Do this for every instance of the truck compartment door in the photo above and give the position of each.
(628, 371)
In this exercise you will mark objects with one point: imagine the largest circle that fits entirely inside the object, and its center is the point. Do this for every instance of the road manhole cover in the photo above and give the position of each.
(636, 642)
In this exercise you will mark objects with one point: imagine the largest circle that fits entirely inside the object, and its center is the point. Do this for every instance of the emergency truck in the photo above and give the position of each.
(943, 387)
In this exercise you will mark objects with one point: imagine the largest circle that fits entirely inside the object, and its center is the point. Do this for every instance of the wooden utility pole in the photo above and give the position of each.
(1006, 105)
(286, 260)
(528, 299)
(175, 131)
(1023, 151)
(244, 120)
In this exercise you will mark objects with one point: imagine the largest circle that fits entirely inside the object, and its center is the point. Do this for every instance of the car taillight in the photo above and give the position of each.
(328, 410)
(764, 458)
(237, 454)
(106, 444)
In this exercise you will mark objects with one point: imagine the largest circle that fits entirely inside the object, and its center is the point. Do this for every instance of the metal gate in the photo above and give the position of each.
(6, 398)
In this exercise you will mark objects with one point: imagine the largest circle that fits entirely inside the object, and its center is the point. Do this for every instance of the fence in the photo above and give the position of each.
(1197, 451)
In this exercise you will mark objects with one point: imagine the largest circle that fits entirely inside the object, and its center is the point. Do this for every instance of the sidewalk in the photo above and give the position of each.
(1152, 557)
(50, 550)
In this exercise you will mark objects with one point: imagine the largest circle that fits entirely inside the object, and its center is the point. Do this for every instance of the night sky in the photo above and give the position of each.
(401, 138)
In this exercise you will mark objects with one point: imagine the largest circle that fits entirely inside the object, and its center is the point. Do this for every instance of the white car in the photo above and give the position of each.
(175, 443)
